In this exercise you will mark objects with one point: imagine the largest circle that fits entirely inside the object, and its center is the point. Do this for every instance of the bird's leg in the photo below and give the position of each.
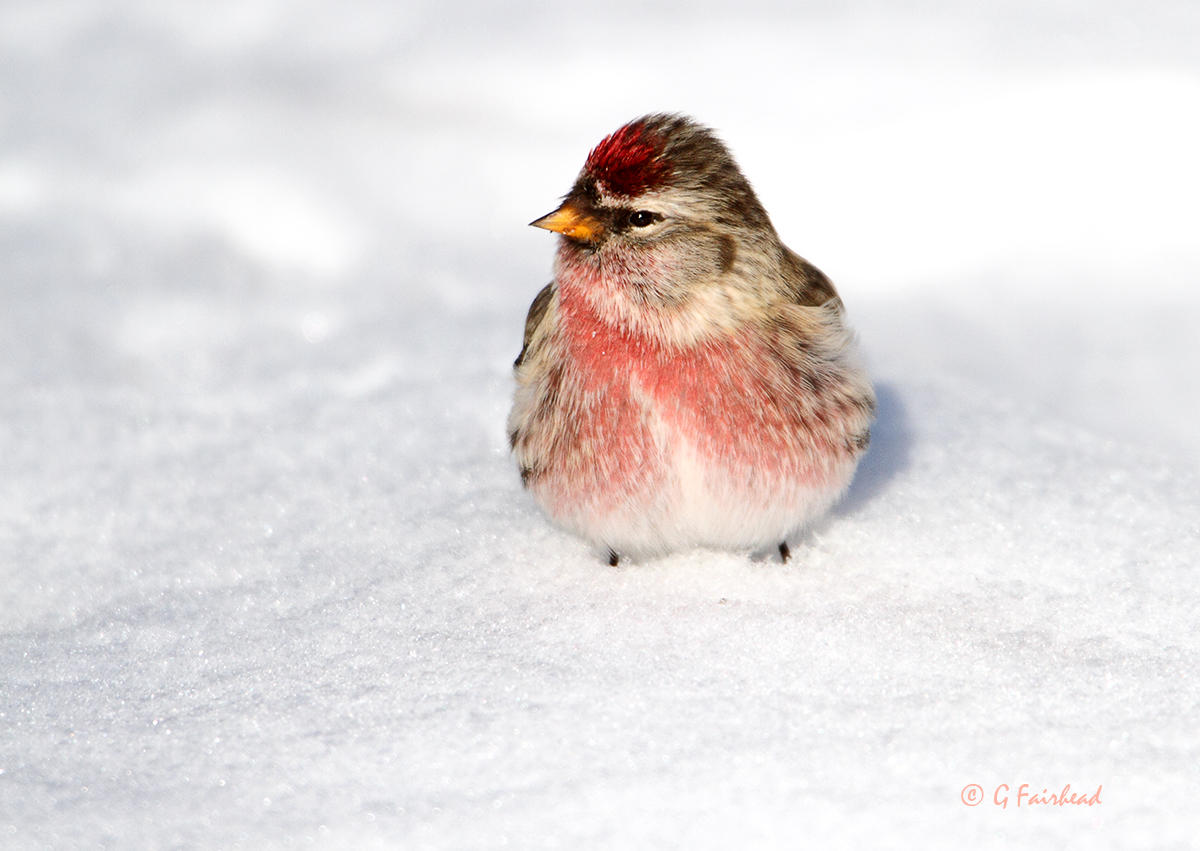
(613, 558)
(784, 552)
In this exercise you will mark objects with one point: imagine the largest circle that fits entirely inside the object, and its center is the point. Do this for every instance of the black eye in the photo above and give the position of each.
(641, 218)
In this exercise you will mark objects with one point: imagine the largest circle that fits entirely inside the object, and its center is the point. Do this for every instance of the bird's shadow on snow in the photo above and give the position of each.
(888, 455)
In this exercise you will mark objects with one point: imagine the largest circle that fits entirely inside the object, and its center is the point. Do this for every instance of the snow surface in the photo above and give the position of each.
(269, 578)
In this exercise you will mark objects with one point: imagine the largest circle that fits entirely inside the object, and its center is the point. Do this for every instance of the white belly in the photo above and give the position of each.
(704, 503)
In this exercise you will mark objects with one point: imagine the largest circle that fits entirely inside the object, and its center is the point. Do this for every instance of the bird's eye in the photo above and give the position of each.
(641, 218)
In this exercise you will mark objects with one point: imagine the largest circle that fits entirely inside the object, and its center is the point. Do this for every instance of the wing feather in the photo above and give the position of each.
(537, 312)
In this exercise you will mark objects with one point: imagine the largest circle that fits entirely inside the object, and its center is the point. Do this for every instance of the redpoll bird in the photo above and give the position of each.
(686, 380)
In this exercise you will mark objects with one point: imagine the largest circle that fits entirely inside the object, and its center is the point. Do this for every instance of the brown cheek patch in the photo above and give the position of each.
(728, 253)
(629, 161)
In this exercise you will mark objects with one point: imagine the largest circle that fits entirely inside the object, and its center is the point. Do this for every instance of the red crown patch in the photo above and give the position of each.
(629, 161)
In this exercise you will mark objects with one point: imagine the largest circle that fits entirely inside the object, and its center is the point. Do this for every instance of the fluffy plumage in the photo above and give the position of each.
(686, 380)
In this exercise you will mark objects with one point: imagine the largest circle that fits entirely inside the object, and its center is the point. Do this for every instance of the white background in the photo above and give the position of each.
(267, 575)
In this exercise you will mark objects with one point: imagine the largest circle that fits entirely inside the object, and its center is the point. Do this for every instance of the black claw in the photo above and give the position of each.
(613, 558)
(784, 552)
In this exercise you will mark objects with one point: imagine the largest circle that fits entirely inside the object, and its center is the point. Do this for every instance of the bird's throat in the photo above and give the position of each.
(639, 298)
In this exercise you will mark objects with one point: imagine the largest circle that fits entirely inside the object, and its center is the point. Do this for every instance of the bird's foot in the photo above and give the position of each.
(784, 553)
(613, 558)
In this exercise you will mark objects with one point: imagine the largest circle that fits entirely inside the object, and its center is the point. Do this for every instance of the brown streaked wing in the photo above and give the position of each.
(537, 311)
(808, 285)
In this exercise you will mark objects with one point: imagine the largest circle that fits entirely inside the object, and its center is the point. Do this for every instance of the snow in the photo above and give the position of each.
(269, 577)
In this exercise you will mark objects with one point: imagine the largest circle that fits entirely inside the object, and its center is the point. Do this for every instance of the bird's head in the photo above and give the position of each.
(658, 179)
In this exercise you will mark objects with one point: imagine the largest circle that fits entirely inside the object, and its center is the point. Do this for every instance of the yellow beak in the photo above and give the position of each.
(570, 220)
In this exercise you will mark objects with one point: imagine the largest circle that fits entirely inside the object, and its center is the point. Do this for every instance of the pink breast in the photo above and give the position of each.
(738, 407)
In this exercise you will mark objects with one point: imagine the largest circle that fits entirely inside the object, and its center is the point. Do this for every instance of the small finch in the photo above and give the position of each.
(686, 380)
